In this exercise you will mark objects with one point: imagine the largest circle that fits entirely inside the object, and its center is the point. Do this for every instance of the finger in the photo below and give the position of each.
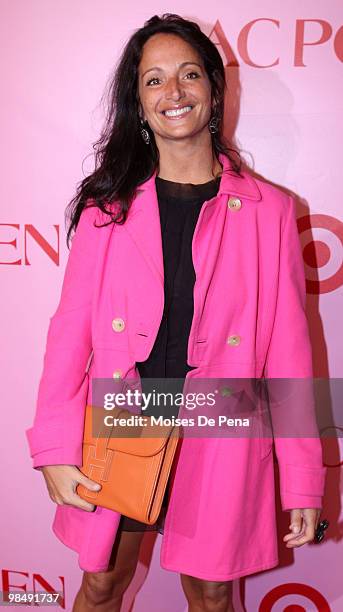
(68, 497)
(294, 535)
(297, 526)
(294, 541)
(87, 482)
(298, 543)
(290, 537)
(74, 500)
(308, 536)
(296, 521)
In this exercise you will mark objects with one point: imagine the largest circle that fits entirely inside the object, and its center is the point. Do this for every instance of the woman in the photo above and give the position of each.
(181, 266)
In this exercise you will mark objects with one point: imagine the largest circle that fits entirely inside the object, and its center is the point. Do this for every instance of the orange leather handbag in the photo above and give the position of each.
(133, 470)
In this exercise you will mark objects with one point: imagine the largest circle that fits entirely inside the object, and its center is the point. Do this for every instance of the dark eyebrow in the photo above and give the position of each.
(181, 66)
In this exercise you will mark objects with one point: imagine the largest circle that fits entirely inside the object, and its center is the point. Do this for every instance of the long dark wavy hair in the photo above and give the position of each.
(122, 159)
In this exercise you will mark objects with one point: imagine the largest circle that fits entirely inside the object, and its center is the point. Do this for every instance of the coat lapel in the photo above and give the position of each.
(143, 225)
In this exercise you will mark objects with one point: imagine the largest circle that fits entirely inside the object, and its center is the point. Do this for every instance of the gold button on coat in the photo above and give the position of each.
(117, 374)
(234, 340)
(234, 203)
(118, 324)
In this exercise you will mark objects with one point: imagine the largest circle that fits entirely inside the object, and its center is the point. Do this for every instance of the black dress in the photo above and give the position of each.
(179, 208)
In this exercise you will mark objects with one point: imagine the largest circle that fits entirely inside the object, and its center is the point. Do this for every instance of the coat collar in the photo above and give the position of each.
(143, 224)
(230, 184)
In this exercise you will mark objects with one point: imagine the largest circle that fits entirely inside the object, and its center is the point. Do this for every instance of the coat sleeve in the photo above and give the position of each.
(292, 409)
(57, 431)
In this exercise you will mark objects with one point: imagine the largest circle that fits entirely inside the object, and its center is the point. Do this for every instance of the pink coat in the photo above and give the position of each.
(250, 284)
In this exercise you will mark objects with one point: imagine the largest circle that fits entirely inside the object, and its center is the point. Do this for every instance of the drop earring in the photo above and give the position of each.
(144, 132)
(213, 124)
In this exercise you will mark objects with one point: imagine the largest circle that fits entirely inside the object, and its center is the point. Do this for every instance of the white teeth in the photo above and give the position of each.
(177, 111)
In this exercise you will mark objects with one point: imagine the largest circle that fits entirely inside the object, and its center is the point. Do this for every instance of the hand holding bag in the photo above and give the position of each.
(133, 471)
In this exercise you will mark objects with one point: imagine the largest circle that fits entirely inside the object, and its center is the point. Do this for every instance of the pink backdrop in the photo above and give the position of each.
(284, 69)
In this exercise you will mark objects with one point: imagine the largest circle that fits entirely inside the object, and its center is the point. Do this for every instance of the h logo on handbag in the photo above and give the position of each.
(98, 467)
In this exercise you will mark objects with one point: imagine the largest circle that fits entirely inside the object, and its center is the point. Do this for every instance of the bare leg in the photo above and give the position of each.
(103, 591)
(207, 596)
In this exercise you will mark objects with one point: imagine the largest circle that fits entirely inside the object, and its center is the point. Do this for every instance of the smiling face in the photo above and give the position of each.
(174, 89)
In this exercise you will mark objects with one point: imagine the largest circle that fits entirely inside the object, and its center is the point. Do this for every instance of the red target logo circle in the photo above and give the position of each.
(317, 253)
(294, 588)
